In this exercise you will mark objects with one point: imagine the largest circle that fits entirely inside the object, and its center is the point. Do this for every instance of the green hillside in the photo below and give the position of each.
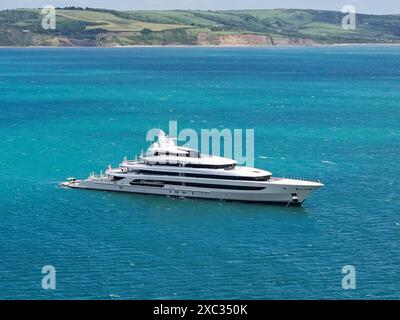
(100, 27)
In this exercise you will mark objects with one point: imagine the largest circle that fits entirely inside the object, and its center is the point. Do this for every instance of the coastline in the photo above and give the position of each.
(208, 46)
(263, 31)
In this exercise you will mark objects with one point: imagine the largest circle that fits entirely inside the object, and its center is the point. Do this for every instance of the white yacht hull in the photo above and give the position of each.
(272, 193)
(171, 170)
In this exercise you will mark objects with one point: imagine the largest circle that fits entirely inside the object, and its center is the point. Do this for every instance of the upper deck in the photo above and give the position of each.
(166, 158)
(234, 172)
(203, 161)
(165, 152)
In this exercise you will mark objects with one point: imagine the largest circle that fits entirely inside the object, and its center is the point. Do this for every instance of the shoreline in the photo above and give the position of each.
(207, 46)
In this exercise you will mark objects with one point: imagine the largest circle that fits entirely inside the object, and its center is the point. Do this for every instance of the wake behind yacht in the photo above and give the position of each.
(171, 170)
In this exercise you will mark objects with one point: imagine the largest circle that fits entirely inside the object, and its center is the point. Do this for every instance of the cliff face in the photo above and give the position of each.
(293, 41)
(233, 39)
(247, 40)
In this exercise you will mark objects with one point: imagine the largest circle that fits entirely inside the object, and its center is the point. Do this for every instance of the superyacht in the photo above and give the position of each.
(171, 170)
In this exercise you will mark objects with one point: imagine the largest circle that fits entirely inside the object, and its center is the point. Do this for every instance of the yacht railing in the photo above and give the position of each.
(302, 179)
(99, 177)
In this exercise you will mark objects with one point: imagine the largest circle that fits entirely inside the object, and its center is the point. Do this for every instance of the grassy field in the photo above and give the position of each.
(113, 23)
(100, 27)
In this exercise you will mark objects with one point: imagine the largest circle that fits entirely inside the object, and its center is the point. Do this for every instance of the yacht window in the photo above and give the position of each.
(200, 175)
(163, 173)
(167, 164)
(212, 186)
(209, 166)
(114, 178)
(214, 176)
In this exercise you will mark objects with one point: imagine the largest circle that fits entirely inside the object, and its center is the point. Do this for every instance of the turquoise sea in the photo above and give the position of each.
(331, 113)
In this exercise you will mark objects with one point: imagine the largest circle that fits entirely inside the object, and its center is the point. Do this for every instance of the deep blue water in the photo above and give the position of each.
(331, 113)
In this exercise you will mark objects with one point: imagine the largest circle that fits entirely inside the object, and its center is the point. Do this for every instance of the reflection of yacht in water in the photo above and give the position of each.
(171, 170)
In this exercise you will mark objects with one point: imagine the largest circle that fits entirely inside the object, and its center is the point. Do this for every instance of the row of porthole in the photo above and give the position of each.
(182, 192)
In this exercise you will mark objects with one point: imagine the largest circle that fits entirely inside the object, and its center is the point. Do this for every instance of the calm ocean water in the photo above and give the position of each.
(331, 113)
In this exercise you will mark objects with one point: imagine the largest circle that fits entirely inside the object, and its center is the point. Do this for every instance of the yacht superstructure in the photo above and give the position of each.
(170, 170)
